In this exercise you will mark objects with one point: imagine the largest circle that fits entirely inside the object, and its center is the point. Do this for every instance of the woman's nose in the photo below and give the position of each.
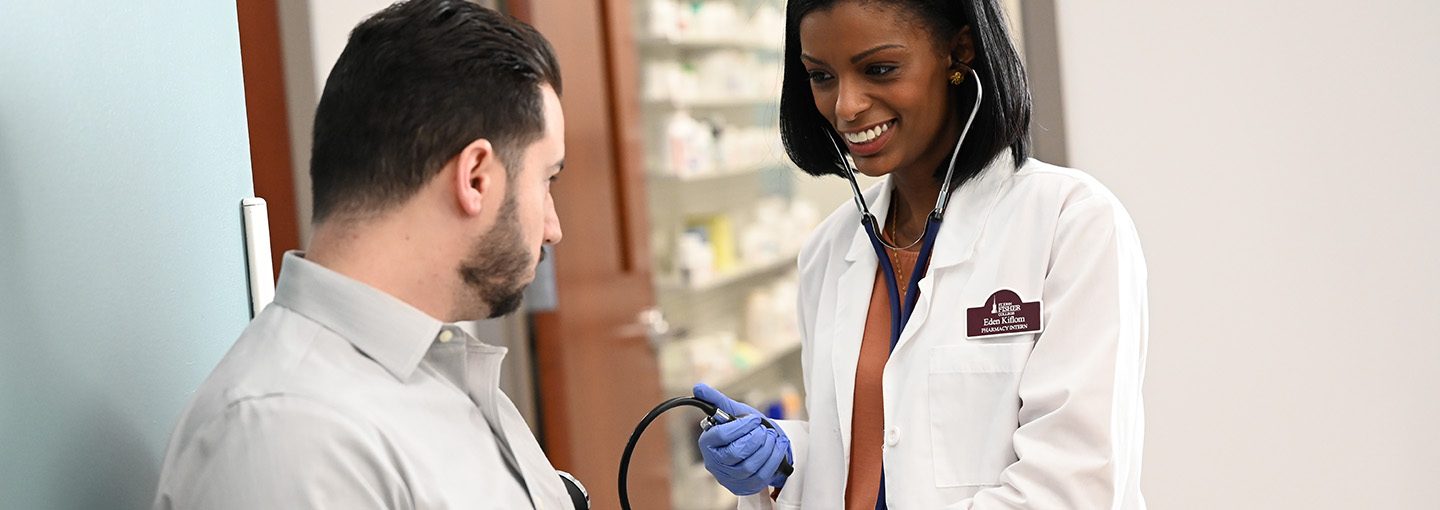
(850, 101)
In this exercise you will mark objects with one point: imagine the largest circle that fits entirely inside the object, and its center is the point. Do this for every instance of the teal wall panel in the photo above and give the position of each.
(123, 160)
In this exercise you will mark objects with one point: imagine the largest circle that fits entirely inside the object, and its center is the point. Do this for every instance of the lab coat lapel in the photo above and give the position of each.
(969, 210)
(852, 307)
(964, 221)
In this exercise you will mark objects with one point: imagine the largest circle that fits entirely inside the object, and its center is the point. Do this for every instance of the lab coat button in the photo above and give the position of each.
(446, 335)
(892, 436)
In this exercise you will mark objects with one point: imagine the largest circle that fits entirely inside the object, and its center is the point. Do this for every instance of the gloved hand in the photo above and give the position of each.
(743, 455)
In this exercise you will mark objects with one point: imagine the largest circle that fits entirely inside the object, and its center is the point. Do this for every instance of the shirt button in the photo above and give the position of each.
(892, 436)
(446, 336)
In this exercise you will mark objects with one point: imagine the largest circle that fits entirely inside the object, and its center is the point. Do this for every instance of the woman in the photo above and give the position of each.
(1015, 381)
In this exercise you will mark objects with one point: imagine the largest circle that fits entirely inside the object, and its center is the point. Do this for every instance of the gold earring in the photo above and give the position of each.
(957, 78)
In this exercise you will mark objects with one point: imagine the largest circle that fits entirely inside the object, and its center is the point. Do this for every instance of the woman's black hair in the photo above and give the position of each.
(1002, 122)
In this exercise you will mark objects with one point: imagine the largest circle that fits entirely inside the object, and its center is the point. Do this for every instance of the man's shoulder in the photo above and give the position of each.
(281, 354)
(274, 451)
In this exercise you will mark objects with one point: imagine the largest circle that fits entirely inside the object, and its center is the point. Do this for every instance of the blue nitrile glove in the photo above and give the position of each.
(743, 455)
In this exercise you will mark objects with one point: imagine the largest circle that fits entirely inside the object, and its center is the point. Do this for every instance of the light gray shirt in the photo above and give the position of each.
(340, 396)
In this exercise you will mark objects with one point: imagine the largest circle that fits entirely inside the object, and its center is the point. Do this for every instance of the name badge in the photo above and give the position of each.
(1002, 315)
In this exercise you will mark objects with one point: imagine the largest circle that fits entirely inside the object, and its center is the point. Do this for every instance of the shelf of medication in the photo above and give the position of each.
(709, 20)
(694, 488)
(705, 176)
(681, 287)
(737, 383)
(658, 44)
(684, 145)
(710, 103)
(725, 352)
(725, 77)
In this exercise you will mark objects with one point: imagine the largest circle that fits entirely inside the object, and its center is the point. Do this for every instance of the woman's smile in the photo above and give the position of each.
(869, 65)
(868, 141)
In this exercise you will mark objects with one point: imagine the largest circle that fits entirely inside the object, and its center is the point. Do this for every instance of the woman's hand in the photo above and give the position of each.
(743, 455)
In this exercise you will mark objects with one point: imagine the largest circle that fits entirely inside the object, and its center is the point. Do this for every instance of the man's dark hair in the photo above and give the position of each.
(1004, 118)
(418, 82)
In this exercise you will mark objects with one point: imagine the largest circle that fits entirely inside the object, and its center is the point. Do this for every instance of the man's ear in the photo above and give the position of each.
(479, 175)
(962, 47)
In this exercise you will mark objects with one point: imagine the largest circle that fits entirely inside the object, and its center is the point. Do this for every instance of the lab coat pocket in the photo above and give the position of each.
(975, 409)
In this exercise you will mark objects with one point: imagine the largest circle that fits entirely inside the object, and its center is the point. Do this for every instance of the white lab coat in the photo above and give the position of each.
(1047, 421)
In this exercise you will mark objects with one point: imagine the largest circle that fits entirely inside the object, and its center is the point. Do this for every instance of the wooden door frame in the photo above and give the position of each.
(262, 60)
(598, 374)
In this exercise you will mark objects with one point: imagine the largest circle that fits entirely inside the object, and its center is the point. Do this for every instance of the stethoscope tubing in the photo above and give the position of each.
(901, 310)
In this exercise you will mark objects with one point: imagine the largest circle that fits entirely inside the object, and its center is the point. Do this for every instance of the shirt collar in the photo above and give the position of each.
(388, 330)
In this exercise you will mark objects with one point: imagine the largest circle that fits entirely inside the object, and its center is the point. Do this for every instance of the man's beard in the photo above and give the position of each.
(494, 274)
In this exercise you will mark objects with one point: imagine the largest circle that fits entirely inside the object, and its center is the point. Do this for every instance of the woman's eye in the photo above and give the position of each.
(879, 70)
(819, 76)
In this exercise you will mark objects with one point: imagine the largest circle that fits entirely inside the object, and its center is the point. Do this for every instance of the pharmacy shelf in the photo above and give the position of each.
(698, 490)
(723, 173)
(730, 384)
(719, 281)
(721, 502)
(706, 43)
(711, 103)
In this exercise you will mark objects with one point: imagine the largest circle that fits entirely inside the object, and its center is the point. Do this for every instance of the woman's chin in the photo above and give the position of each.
(871, 167)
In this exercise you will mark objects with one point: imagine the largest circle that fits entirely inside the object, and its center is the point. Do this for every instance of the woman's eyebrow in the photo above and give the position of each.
(859, 56)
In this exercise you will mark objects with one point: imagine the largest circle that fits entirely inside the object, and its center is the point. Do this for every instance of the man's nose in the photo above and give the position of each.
(552, 224)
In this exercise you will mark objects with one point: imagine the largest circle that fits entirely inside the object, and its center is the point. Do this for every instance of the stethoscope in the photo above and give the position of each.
(900, 311)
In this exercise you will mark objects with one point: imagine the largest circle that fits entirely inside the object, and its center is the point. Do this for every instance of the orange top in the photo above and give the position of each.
(867, 424)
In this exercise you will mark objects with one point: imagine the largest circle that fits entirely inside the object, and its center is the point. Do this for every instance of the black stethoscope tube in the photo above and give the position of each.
(900, 311)
(711, 411)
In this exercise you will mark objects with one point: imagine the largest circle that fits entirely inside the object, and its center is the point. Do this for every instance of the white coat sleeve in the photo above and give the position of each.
(283, 452)
(1081, 423)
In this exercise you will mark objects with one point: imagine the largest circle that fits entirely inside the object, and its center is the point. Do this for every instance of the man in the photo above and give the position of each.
(436, 138)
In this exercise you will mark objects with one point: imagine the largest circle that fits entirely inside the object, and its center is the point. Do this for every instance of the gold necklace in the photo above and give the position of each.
(900, 282)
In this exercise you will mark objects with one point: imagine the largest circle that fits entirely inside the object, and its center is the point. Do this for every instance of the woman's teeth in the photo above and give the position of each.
(868, 135)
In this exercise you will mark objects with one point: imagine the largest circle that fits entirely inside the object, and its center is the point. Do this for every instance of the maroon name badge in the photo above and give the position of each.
(1003, 314)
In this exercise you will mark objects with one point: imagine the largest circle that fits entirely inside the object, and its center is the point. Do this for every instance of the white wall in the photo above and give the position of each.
(1280, 160)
